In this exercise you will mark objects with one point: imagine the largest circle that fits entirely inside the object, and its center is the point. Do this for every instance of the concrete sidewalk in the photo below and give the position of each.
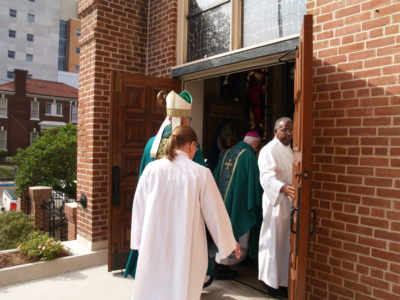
(97, 284)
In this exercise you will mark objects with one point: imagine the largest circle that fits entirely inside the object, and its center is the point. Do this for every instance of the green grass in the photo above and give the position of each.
(7, 171)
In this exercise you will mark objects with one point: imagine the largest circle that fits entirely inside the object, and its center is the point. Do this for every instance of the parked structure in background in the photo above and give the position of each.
(41, 37)
(28, 106)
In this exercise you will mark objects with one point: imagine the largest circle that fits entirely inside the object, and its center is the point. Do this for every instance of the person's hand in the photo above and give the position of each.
(237, 251)
(289, 191)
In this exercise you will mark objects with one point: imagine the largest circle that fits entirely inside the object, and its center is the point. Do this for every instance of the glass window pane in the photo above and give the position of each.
(13, 13)
(267, 20)
(10, 74)
(29, 37)
(12, 33)
(31, 18)
(11, 54)
(209, 32)
(29, 57)
(48, 108)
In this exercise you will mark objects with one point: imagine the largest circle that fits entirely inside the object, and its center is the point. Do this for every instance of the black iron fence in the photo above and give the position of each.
(55, 222)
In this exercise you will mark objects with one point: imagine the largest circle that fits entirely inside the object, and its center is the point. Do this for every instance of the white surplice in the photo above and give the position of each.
(275, 162)
(173, 202)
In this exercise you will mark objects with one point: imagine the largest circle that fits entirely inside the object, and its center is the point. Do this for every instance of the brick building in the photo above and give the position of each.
(355, 160)
(31, 105)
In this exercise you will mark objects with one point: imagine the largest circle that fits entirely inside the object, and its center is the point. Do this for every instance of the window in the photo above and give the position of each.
(11, 54)
(29, 57)
(29, 76)
(3, 138)
(12, 33)
(3, 107)
(78, 32)
(54, 109)
(78, 50)
(218, 26)
(76, 68)
(62, 46)
(29, 37)
(10, 74)
(35, 110)
(31, 18)
(33, 135)
(74, 113)
(13, 13)
(32, 0)
(209, 23)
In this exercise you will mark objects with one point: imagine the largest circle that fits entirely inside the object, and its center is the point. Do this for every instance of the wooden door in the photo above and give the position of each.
(135, 116)
(302, 141)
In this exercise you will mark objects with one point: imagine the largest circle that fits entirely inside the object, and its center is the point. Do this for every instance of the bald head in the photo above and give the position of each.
(284, 130)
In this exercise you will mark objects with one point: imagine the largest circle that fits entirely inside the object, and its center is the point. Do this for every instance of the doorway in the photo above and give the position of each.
(225, 107)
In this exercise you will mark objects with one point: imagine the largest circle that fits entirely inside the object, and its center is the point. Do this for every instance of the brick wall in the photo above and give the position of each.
(115, 35)
(162, 37)
(73, 43)
(356, 155)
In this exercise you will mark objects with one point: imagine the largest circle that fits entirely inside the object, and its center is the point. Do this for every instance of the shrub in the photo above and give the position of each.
(39, 245)
(3, 154)
(14, 228)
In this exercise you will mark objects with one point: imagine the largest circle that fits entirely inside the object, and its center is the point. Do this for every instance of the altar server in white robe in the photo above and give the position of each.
(174, 200)
(275, 162)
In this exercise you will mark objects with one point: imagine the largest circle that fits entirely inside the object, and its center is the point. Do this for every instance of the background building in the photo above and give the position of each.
(42, 37)
(28, 106)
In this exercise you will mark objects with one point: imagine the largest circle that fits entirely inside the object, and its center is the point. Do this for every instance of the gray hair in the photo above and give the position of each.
(282, 119)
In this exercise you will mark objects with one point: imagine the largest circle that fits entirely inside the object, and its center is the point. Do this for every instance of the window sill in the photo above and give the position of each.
(3, 117)
(34, 119)
(51, 115)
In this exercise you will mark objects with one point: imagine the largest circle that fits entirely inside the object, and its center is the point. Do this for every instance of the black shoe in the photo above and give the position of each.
(223, 272)
(271, 291)
(283, 290)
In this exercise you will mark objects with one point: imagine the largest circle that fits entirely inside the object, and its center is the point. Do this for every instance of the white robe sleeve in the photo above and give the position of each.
(216, 217)
(268, 176)
(138, 210)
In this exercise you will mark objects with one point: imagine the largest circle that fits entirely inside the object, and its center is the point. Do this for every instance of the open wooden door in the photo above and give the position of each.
(302, 141)
(135, 116)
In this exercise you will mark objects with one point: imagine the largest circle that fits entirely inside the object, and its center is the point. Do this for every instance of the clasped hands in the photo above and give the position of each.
(289, 191)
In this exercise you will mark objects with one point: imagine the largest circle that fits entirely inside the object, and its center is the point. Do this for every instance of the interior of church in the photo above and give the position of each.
(234, 104)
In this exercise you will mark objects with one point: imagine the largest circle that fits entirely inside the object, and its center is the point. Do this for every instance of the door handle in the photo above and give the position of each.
(115, 186)
(294, 210)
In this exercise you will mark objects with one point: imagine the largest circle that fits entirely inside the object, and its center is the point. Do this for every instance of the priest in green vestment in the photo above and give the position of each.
(178, 113)
(237, 176)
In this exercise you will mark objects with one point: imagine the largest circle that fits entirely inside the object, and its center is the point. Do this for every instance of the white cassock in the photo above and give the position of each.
(275, 162)
(173, 202)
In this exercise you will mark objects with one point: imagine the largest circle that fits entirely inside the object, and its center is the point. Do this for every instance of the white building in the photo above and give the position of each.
(30, 36)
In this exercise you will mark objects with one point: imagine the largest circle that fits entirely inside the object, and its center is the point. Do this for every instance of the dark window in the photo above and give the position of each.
(31, 18)
(10, 74)
(11, 54)
(62, 46)
(12, 33)
(29, 76)
(78, 50)
(29, 57)
(29, 37)
(32, 0)
(209, 24)
(76, 68)
(13, 13)
(78, 32)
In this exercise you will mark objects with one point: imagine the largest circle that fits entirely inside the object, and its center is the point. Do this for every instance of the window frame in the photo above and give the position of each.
(12, 33)
(53, 109)
(33, 135)
(11, 54)
(30, 57)
(3, 135)
(33, 115)
(3, 102)
(11, 73)
(31, 18)
(11, 13)
(74, 115)
(28, 35)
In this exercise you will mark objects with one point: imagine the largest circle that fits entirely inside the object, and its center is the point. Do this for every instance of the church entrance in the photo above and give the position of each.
(232, 104)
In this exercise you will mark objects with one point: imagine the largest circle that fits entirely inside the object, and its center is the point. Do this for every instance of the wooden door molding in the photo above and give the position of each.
(302, 142)
(135, 116)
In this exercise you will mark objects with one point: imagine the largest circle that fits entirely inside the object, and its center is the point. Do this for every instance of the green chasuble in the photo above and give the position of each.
(146, 159)
(238, 179)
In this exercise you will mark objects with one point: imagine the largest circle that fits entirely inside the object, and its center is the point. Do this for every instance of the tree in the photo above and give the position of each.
(49, 161)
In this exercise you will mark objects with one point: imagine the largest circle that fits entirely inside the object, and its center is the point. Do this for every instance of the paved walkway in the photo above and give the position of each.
(98, 284)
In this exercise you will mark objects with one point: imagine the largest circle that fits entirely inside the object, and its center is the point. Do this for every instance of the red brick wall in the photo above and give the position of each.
(356, 155)
(115, 36)
(162, 37)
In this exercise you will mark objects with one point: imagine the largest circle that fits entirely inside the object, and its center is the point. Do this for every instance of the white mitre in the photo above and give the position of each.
(178, 106)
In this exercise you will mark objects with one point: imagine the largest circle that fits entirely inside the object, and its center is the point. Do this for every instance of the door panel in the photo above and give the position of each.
(135, 116)
(302, 141)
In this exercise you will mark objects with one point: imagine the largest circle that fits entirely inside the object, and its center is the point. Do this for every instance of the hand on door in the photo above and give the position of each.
(237, 251)
(289, 191)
